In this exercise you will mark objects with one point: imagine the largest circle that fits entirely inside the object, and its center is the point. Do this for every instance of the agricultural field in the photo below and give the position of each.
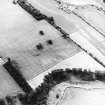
(52, 47)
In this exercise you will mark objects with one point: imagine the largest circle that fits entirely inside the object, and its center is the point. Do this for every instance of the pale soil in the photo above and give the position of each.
(19, 36)
(7, 84)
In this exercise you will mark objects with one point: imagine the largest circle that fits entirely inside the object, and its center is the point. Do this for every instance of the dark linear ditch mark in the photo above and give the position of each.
(17, 76)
